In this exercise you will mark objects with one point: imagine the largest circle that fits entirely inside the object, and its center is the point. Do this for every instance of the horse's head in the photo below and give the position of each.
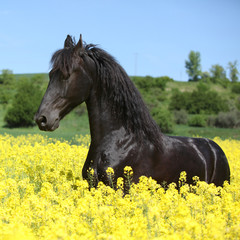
(71, 79)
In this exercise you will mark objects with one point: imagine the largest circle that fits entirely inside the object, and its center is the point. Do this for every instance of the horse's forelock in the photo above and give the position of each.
(62, 60)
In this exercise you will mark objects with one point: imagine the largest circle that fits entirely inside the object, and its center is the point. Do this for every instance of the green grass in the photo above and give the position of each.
(70, 126)
(73, 125)
(208, 132)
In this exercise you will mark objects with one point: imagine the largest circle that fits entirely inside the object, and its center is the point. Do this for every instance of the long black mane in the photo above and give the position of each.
(115, 86)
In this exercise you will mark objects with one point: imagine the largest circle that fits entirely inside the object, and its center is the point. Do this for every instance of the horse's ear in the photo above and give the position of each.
(79, 45)
(68, 42)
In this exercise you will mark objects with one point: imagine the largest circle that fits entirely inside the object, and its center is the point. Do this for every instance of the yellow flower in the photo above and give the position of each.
(43, 196)
(110, 171)
(91, 171)
(128, 170)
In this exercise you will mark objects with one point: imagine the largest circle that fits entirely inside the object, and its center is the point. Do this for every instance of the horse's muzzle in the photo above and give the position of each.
(46, 124)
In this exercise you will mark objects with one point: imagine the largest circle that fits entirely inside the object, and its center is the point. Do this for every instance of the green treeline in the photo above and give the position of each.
(216, 74)
(193, 103)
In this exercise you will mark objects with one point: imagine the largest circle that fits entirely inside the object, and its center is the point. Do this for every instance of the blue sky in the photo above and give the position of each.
(151, 37)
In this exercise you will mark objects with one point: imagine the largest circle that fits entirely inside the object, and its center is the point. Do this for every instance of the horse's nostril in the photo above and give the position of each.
(43, 121)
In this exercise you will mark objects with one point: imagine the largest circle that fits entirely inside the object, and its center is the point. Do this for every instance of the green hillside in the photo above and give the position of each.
(158, 93)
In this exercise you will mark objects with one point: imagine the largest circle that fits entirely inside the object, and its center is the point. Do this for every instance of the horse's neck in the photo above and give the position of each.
(101, 120)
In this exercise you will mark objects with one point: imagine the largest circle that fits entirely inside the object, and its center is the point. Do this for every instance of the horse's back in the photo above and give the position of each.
(198, 157)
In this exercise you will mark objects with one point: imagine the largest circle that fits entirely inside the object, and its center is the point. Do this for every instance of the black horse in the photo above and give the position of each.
(122, 131)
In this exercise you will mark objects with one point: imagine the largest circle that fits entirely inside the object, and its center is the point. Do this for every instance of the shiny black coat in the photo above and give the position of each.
(122, 131)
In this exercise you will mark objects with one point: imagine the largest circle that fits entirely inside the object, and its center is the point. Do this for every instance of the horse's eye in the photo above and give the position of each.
(64, 77)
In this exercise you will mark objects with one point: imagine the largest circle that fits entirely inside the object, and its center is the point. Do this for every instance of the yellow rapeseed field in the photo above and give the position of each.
(43, 196)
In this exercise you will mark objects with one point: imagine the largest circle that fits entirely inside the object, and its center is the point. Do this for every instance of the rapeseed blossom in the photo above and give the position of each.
(43, 196)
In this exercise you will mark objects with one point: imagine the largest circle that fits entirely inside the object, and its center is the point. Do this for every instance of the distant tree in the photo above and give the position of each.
(39, 81)
(179, 100)
(201, 100)
(148, 82)
(193, 66)
(4, 96)
(7, 83)
(236, 88)
(160, 82)
(144, 83)
(7, 77)
(233, 71)
(24, 105)
(205, 77)
(218, 74)
(164, 119)
(197, 121)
